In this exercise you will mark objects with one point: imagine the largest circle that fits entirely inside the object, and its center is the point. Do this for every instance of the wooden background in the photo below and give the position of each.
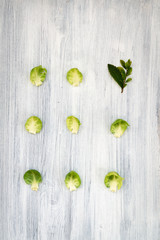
(87, 34)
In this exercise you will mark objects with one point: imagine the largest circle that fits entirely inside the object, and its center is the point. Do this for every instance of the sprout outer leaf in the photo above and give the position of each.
(72, 181)
(38, 75)
(118, 127)
(33, 178)
(33, 125)
(74, 77)
(73, 124)
(113, 181)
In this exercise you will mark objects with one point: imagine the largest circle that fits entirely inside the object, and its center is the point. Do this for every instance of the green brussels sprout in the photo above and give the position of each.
(72, 181)
(74, 77)
(119, 127)
(113, 181)
(33, 178)
(33, 125)
(73, 124)
(38, 75)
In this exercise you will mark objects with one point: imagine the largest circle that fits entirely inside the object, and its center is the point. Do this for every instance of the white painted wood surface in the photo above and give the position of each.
(87, 34)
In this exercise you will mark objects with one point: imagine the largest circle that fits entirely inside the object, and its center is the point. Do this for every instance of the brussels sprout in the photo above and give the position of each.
(38, 75)
(33, 125)
(33, 178)
(74, 77)
(72, 181)
(73, 124)
(113, 181)
(119, 127)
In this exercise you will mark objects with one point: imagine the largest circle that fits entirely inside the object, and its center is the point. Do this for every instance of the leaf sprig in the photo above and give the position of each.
(120, 74)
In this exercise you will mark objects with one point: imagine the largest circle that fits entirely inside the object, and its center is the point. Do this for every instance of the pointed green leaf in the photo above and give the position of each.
(122, 63)
(115, 73)
(129, 71)
(128, 80)
(124, 85)
(122, 72)
(128, 64)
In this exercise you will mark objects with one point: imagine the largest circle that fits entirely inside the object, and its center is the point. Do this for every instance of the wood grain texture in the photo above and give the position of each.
(87, 34)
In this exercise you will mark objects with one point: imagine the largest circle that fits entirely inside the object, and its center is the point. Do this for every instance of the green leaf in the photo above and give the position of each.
(124, 85)
(122, 72)
(128, 64)
(122, 63)
(115, 73)
(129, 71)
(128, 80)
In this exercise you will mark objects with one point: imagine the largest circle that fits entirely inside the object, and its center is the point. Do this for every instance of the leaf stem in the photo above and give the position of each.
(123, 84)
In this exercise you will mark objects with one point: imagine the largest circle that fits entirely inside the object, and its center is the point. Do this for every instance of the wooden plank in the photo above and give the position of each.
(87, 35)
